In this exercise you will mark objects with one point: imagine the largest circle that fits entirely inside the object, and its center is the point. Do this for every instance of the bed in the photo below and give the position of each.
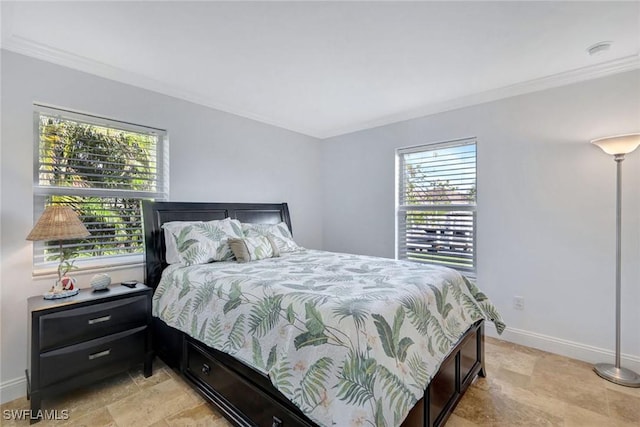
(244, 392)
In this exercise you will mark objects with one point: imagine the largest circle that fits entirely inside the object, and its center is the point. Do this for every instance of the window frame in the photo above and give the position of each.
(42, 192)
(400, 209)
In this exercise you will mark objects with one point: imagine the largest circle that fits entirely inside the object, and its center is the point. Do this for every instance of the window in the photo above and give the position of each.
(436, 204)
(102, 169)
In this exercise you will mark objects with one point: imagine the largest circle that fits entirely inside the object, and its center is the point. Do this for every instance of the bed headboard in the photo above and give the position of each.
(155, 214)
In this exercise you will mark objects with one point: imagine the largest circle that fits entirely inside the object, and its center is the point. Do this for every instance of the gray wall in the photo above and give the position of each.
(214, 156)
(545, 196)
(546, 206)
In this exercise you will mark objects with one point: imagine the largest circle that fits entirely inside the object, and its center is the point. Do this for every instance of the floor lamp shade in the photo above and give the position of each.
(618, 146)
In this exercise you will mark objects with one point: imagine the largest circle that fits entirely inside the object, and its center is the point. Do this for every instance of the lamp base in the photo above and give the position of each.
(61, 294)
(622, 376)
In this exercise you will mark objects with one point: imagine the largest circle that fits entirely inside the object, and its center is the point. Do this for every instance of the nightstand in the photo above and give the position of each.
(76, 341)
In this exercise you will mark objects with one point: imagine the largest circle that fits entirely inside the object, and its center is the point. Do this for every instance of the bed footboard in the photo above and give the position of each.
(457, 372)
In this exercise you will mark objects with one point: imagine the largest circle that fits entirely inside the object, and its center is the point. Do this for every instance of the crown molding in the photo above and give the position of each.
(61, 57)
(41, 51)
(590, 72)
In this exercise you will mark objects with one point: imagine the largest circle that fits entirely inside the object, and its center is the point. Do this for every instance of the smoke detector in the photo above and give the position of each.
(599, 48)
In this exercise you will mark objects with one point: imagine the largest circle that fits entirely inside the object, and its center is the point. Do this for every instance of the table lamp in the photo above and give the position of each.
(59, 223)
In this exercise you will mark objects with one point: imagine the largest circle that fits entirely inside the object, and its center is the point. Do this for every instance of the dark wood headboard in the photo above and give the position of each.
(155, 214)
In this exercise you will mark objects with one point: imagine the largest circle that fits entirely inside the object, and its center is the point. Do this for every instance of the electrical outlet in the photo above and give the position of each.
(518, 302)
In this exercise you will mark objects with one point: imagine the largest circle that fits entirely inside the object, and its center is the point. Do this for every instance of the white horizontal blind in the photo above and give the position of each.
(436, 198)
(115, 225)
(102, 169)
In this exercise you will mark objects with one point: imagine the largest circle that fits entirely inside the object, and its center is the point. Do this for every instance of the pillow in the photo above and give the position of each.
(253, 248)
(171, 248)
(278, 232)
(200, 242)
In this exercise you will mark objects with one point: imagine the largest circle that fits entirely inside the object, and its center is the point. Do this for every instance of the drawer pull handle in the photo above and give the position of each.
(277, 422)
(100, 354)
(100, 319)
(206, 369)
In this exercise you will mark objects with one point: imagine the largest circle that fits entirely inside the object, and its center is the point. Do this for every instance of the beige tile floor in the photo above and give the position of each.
(524, 387)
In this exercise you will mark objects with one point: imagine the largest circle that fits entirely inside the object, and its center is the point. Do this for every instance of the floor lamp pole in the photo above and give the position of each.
(618, 158)
(616, 373)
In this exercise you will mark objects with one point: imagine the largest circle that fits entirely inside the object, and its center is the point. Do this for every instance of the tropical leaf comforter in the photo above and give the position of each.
(351, 340)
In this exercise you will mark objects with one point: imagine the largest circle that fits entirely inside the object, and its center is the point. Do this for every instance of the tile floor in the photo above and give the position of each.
(524, 387)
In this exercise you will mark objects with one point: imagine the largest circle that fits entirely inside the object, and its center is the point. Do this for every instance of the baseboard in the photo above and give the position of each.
(563, 347)
(13, 389)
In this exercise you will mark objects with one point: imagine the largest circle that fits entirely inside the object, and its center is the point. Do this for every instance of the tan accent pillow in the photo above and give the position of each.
(253, 248)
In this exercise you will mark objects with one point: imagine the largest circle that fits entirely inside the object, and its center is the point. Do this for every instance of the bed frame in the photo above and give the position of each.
(244, 395)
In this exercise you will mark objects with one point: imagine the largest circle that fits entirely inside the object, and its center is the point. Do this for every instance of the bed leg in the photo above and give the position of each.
(148, 365)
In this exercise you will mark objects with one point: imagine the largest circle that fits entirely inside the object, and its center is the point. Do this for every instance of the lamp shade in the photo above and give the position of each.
(58, 223)
(620, 144)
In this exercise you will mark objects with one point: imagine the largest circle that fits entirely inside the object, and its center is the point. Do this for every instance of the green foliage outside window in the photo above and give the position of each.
(94, 167)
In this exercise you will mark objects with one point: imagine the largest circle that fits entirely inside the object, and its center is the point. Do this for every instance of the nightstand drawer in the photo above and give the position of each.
(124, 348)
(97, 320)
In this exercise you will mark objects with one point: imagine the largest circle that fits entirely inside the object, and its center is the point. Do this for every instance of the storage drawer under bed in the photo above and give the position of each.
(223, 381)
(202, 368)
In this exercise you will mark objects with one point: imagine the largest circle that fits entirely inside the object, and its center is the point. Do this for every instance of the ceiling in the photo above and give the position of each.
(328, 68)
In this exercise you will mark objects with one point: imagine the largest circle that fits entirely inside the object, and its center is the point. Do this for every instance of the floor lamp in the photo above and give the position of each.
(618, 146)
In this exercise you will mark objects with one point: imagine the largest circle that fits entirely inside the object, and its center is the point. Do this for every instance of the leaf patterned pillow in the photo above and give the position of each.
(171, 249)
(278, 232)
(253, 248)
(200, 242)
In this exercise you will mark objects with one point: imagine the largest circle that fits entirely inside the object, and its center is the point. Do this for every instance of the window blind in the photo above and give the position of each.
(436, 204)
(102, 168)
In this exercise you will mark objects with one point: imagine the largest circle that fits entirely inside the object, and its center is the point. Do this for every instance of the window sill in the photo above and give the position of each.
(50, 270)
